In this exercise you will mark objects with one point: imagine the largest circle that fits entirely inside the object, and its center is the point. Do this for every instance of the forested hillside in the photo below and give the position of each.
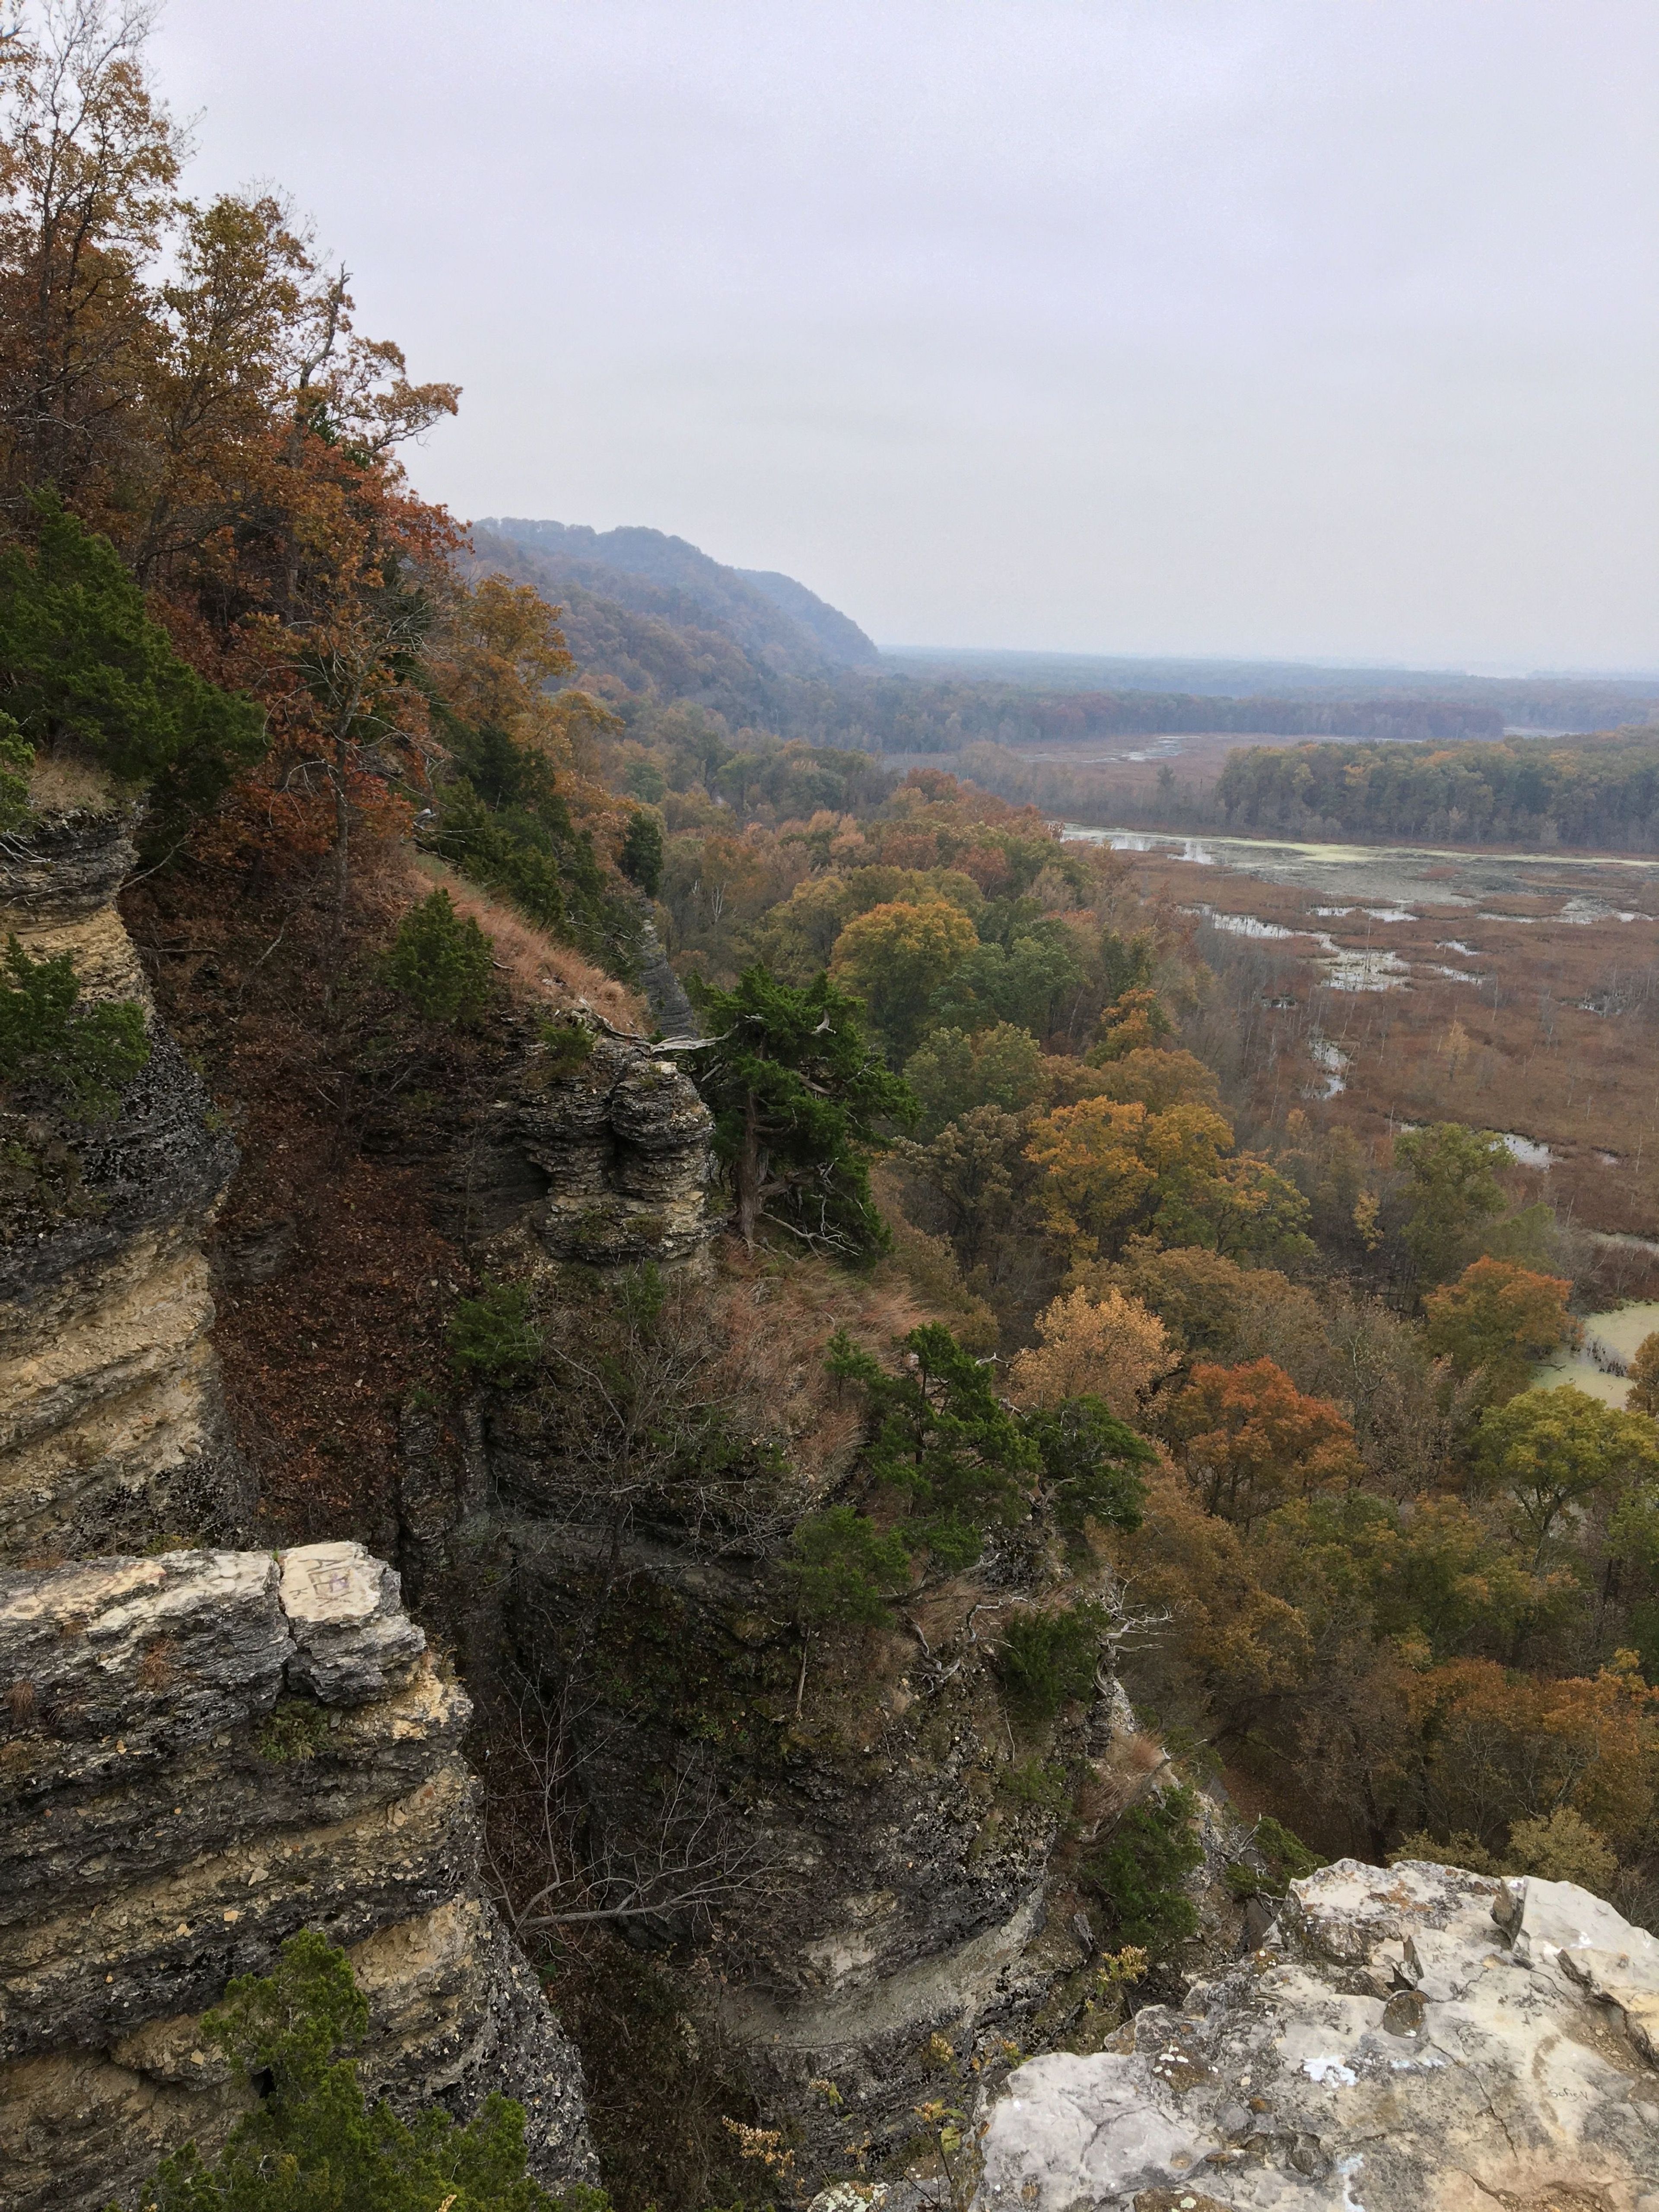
(652, 621)
(809, 1438)
(1601, 791)
(779, 620)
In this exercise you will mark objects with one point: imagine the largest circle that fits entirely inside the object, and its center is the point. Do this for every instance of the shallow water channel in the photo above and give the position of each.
(1394, 876)
(1616, 1333)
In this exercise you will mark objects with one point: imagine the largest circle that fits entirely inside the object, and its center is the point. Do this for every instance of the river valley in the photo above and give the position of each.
(1386, 986)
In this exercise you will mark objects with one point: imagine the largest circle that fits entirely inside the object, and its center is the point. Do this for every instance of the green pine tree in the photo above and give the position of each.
(443, 961)
(53, 1047)
(313, 2143)
(83, 667)
(938, 1432)
(799, 1098)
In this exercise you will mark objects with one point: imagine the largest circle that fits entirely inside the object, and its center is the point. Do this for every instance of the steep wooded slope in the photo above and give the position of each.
(771, 616)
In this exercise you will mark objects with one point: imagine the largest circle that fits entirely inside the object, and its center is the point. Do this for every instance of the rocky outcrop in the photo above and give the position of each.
(201, 1751)
(617, 1129)
(875, 1881)
(1409, 2039)
(111, 1432)
(200, 1754)
(59, 876)
(664, 993)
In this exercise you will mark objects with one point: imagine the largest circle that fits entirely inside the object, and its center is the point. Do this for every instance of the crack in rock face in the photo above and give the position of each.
(1412, 2038)
(202, 1752)
(626, 1145)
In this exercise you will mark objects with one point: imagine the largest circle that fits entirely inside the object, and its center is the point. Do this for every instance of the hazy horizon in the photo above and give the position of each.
(1281, 330)
(1501, 671)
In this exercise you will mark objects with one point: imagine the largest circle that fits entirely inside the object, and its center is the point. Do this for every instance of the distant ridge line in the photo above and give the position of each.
(772, 615)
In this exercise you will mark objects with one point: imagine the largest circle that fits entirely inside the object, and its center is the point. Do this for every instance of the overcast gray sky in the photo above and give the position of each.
(1273, 327)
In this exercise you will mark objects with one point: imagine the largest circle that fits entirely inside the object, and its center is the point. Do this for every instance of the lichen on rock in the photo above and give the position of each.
(624, 1142)
(1408, 2037)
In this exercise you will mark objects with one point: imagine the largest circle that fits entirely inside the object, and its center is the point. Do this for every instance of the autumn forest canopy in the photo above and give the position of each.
(1526, 792)
(1065, 1282)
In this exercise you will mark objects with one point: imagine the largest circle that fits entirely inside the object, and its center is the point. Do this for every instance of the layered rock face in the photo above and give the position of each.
(622, 1138)
(883, 1887)
(59, 875)
(203, 1751)
(111, 1434)
(1411, 2040)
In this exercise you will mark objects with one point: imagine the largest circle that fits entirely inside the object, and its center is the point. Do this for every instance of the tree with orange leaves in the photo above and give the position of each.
(1645, 1377)
(1235, 1647)
(222, 423)
(1495, 1747)
(88, 167)
(1500, 1318)
(1250, 1440)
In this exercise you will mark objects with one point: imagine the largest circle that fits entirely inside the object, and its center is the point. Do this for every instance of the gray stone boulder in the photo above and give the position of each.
(1413, 2039)
(201, 1753)
(353, 1640)
(625, 1144)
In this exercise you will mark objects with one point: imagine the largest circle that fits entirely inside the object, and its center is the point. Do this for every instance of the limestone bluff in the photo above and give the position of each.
(1412, 2039)
(202, 1750)
(204, 1747)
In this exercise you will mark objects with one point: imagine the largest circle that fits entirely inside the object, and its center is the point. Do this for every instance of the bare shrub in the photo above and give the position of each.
(557, 1854)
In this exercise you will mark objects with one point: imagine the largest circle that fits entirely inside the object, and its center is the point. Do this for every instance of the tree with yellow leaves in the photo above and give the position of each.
(895, 957)
(1136, 1021)
(1110, 1169)
(1110, 1348)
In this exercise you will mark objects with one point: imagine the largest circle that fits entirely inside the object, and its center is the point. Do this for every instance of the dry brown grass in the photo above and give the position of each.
(57, 783)
(549, 973)
(1113, 1783)
(1523, 1050)
(796, 1306)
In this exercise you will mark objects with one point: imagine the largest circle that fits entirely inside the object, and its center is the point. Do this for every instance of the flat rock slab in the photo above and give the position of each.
(110, 1647)
(353, 1641)
(1412, 2038)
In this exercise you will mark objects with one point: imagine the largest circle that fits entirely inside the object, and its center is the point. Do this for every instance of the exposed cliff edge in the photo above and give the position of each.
(883, 1886)
(1409, 2037)
(202, 1753)
(623, 1138)
(111, 1434)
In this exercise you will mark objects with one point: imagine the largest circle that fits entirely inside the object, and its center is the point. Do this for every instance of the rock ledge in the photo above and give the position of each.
(1412, 2038)
(200, 1754)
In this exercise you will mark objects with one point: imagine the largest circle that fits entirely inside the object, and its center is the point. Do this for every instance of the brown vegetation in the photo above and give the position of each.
(1554, 1041)
(546, 970)
(333, 1285)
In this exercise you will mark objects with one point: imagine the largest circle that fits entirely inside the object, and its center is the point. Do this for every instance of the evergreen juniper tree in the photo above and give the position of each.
(799, 1098)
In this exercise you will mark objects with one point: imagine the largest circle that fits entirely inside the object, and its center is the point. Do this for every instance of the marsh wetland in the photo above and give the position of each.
(1386, 986)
